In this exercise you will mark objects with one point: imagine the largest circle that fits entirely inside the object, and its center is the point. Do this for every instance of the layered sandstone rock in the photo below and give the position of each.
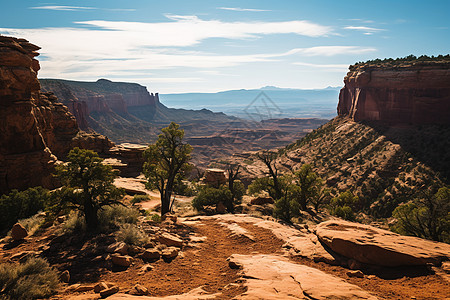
(34, 126)
(418, 93)
(371, 245)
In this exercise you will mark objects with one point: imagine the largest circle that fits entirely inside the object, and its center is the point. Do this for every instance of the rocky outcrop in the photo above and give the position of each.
(34, 126)
(417, 93)
(371, 245)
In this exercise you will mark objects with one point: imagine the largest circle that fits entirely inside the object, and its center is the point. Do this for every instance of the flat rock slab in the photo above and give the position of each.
(371, 245)
(275, 277)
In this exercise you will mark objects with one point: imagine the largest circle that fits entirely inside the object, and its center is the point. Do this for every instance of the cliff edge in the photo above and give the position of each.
(34, 127)
(416, 92)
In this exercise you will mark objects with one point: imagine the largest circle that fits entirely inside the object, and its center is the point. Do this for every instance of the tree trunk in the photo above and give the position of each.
(90, 214)
(165, 203)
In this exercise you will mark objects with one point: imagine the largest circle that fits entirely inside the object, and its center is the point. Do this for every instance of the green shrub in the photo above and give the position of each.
(209, 196)
(286, 209)
(111, 217)
(34, 279)
(132, 235)
(139, 199)
(342, 206)
(20, 205)
(156, 218)
(32, 223)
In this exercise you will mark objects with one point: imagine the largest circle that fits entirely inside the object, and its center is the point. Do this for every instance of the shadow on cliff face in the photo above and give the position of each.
(428, 144)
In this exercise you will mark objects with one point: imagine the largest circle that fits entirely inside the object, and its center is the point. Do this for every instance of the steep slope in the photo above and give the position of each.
(34, 126)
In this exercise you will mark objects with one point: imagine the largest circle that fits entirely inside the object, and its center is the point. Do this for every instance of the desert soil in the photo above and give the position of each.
(204, 264)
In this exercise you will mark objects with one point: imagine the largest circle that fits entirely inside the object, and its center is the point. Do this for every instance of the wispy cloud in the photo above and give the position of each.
(77, 8)
(243, 9)
(63, 8)
(326, 67)
(365, 29)
(331, 50)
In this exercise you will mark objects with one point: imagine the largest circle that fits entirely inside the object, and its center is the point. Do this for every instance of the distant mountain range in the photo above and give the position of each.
(265, 103)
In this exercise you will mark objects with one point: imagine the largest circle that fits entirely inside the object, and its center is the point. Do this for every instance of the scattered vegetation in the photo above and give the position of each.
(211, 196)
(139, 198)
(391, 62)
(132, 235)
(34, 279)
(166, 162)
(426, 217)
(88, 185)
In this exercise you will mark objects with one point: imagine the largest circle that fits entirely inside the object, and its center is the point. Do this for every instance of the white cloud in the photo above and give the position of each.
(242, 9)
(331, 50)
(325, 67)
(367, 30)
(63, 8)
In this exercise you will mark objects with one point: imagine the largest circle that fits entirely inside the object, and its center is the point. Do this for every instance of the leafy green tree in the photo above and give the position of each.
(342, 206)
(310, 187)
(88, 184)
(426, 217)
(166, 162)
(287, 207)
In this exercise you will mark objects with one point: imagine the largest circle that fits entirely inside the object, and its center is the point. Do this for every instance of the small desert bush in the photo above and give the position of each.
(139, 199)
(32, 223)
(74, 223)
(113, 216)
(156, 218)
(34, 279)
(342, 206)
(210, 196)
(132, 235)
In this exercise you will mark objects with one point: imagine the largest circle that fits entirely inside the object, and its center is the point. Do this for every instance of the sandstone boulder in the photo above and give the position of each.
(139, 290)
(371, 245)
(109, 291)
(122, 260)
(215, 177)
(18, 232)
(151, 254)
(100, 287)
(170, 240)
(261, 201)
(170, 253)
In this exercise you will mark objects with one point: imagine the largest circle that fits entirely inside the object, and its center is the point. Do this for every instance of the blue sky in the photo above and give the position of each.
(208, 46)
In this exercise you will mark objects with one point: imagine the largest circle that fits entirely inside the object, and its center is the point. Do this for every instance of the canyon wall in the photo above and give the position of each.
(34, 126)
(103, 96)
(417, 93)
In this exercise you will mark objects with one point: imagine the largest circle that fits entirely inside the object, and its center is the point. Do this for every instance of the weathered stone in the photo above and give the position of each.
(109, 291)
(119, 247)
(100, 287)
(170, 253)
(151, 254)
(170, 240)
(139, 290)
(215, 177)
(371, 245)
(122, 260)
(65, 276)
(84, 288)
(356, 273)
(146, 268)
(18, 232)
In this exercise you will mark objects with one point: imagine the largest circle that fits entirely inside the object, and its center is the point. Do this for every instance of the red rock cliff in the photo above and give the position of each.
(411, 94)
(33, 126)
